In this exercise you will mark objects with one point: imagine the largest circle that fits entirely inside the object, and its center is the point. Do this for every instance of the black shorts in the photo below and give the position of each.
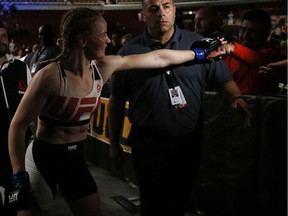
(63, 166)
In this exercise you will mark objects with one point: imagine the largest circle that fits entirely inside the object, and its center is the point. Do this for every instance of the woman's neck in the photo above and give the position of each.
(76, 64)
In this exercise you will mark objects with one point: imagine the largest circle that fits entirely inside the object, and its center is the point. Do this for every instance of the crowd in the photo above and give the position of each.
(163, 72)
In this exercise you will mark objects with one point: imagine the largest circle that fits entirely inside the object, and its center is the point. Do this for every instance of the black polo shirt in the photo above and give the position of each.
(147, 90)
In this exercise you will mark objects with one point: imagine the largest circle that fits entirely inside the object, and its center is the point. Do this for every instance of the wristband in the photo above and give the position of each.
(199, 54)
(238, 98)
(22, 176)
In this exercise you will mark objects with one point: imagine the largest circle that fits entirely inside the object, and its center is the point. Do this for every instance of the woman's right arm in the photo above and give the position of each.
(30, 106)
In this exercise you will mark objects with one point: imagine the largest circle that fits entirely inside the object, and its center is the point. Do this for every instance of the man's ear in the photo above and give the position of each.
(141, 17)
(81, 40)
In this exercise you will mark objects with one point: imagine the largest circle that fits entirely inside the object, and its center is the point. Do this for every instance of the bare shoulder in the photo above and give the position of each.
(47, 79)
(108, 65)
(107, 60)
(47, 72)
(113, 63)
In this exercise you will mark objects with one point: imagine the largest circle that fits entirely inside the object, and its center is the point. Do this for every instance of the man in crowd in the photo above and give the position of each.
(15, 76)
(46, 50)
(207, 22)
(252, 51)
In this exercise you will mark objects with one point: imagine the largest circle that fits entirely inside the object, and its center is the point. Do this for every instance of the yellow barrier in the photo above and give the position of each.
(99, 125)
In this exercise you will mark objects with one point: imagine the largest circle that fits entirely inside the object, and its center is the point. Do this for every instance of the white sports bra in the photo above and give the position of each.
(68, 109)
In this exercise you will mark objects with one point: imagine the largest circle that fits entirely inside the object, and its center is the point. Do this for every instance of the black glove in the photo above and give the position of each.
(20, 196)
(203, 47)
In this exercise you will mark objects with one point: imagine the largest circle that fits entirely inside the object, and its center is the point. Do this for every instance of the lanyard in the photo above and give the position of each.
(169, 75)
(177, 98)
(169, 78)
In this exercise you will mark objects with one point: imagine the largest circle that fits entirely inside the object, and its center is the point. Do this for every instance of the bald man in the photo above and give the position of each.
(207, 22)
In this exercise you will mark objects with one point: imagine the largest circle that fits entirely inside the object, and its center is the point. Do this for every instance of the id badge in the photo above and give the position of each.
(174, 96)
(177, 98)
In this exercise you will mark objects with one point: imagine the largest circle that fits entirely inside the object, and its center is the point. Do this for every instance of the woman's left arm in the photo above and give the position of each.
(154, 59)
(205, 48)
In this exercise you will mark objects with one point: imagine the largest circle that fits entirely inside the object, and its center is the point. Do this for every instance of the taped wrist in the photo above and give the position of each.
(20, 196)
(199, 54)
(19, 177)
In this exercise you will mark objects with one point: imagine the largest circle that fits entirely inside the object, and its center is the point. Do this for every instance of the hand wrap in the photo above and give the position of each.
(20, 196)
(203, 47)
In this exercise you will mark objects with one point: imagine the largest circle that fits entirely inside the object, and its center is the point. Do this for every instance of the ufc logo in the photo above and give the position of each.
(70, 148)
(13, 197)
(75, 109)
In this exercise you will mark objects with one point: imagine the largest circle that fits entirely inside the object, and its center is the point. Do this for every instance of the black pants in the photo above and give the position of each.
(166, 168)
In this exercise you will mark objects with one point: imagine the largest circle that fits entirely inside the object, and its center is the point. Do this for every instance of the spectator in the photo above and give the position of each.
(26, 51)
(207, 22)
(47, 49)
(126, 38)
(166, 133)
(115, 45)
(276, 70)
(13, 46)
(15, 76)
(252, 51)
(29, 56)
